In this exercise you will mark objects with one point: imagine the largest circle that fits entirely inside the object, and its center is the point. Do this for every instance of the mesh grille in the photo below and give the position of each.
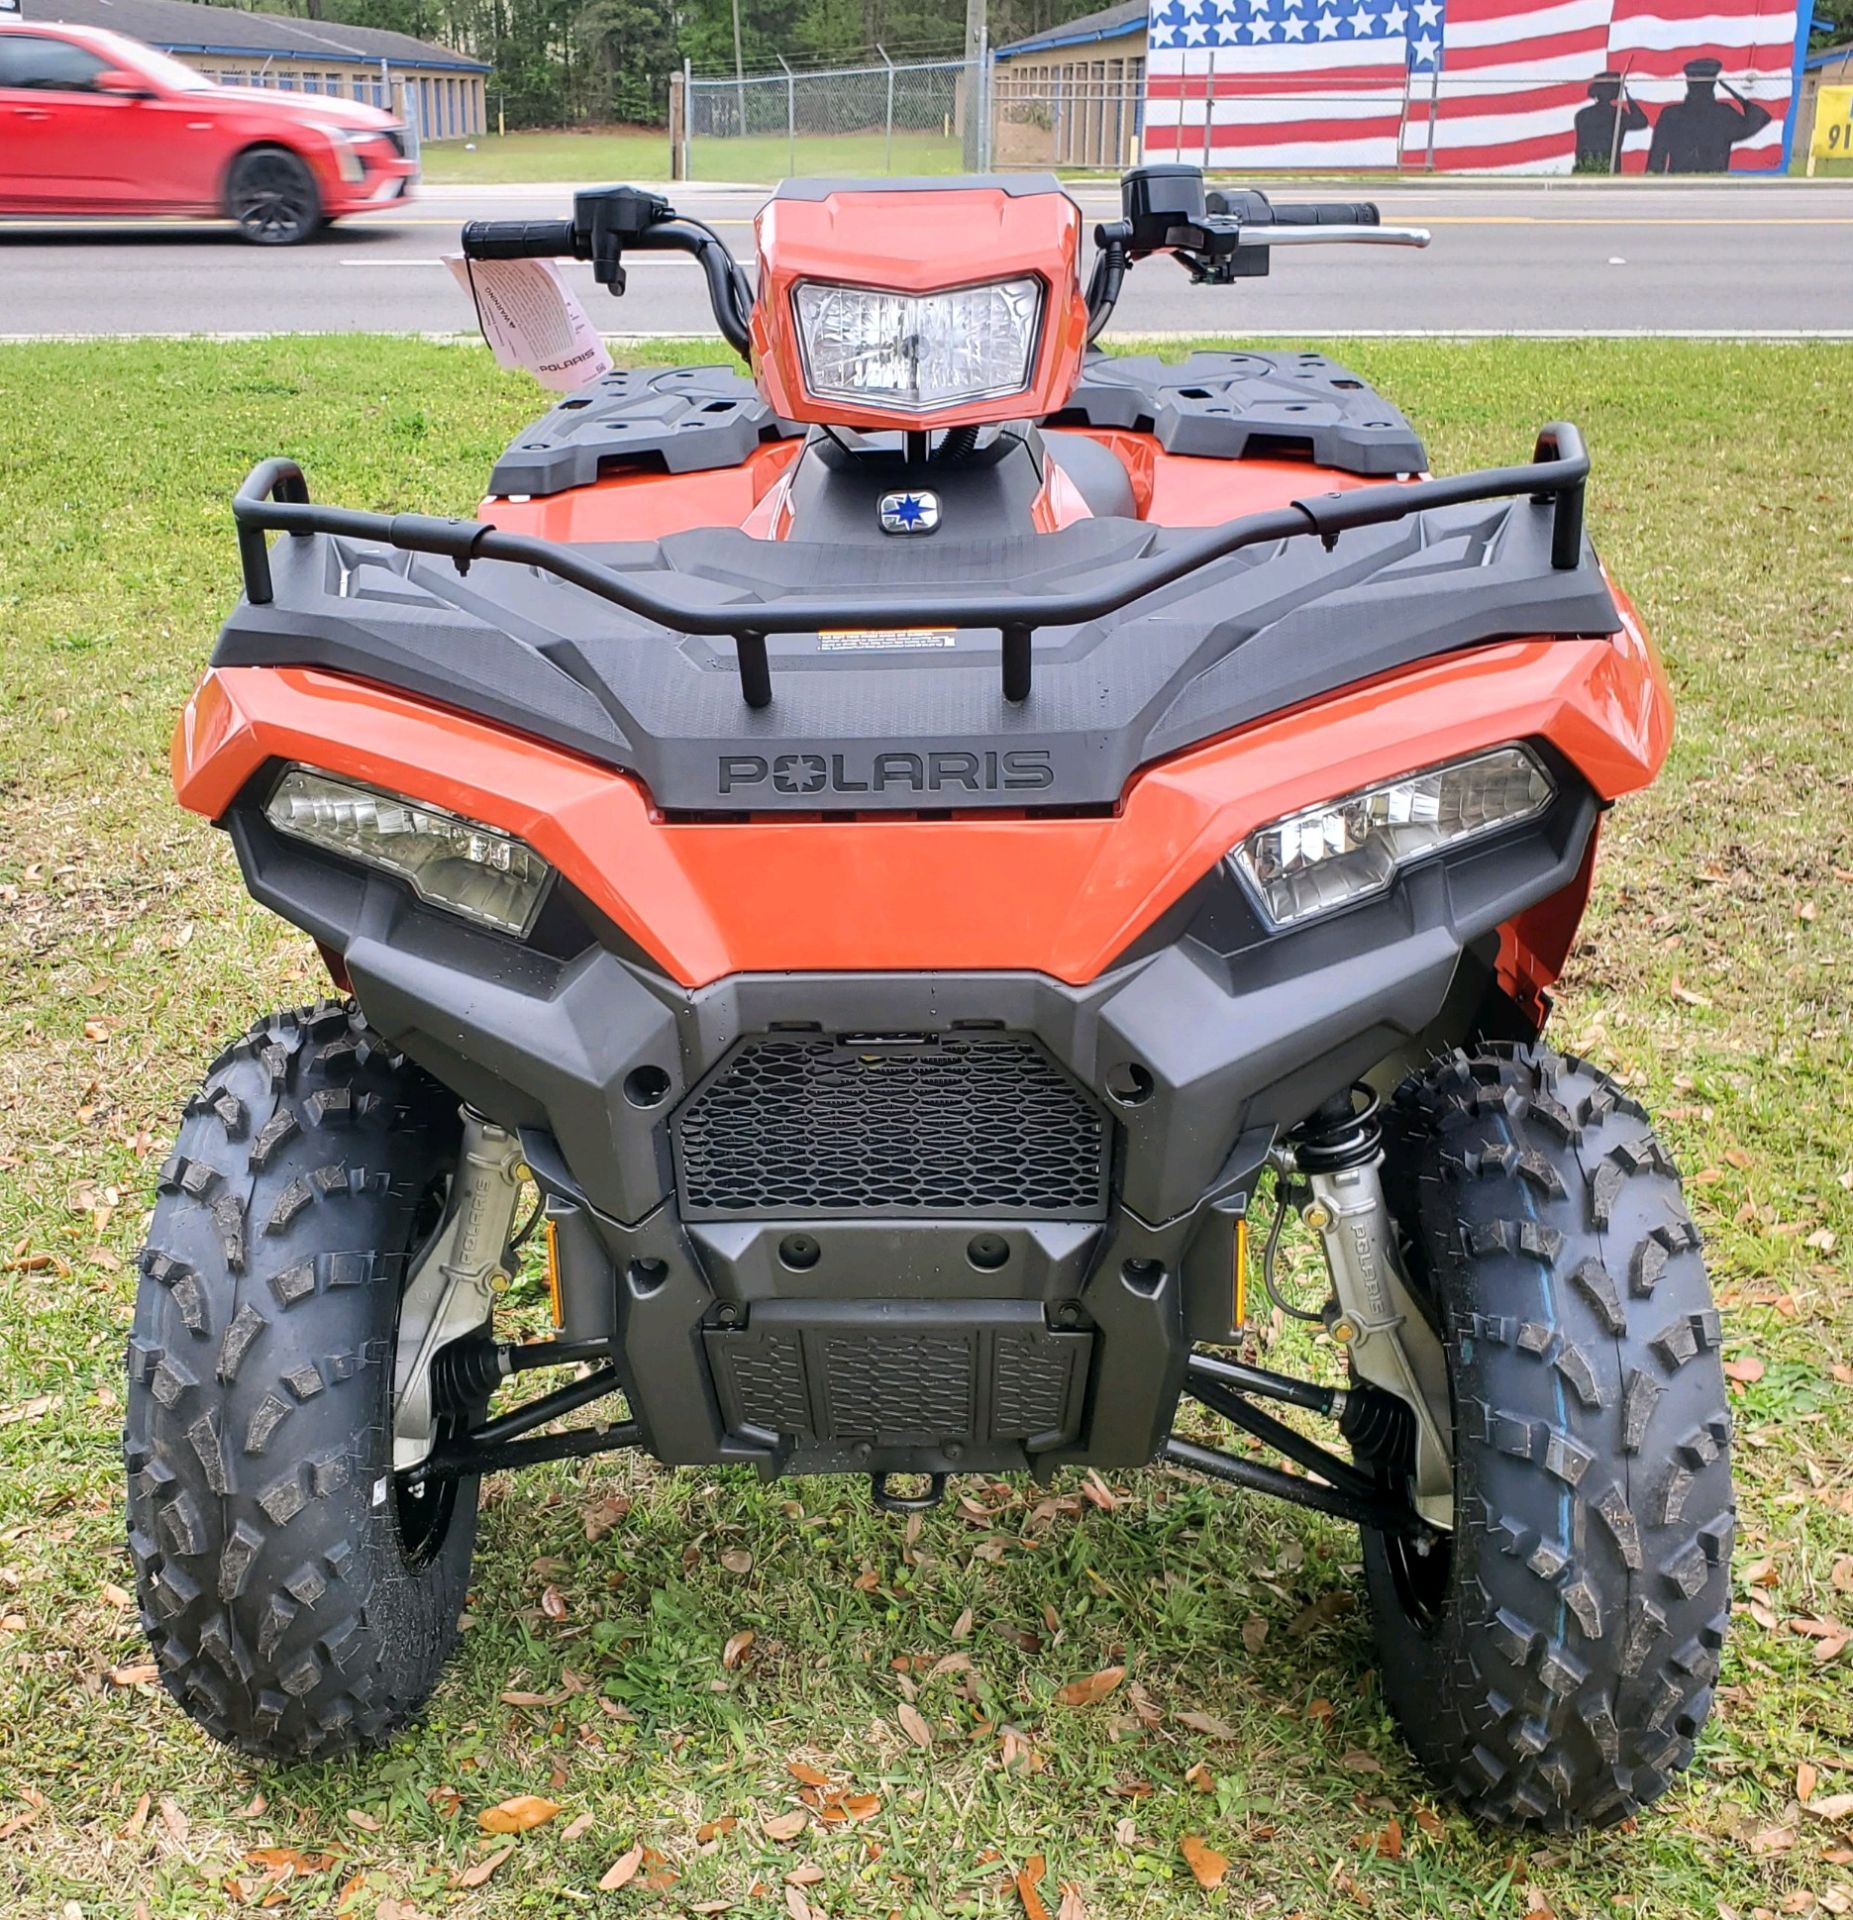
(980, 1125)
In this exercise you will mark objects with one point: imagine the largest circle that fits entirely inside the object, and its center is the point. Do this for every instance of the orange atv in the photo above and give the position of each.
(903, 855)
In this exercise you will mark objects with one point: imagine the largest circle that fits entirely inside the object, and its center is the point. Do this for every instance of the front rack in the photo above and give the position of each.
(275, 499)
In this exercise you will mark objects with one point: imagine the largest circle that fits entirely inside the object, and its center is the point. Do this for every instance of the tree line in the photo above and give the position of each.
(568, 62)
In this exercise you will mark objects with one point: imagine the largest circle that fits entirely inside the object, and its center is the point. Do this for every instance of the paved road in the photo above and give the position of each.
(1743, 259)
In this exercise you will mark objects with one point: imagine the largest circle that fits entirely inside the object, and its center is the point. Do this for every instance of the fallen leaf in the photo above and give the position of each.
(1027, 1881)
(602, 1516)
(736, 1648)
(475, 1876)
(577, 1827)
(806, 1876)
(1200, 1777)
(1072, 1907)
(1090, 1690)
(520, 1697)
(139, 1818)
(737, 1560)
(913, 1724)
(174, 1820)
(1389, 1843)
(1216, 1727)
(1805, 1778)
(1096, 1489)
(622, 1871)
(784, 1826)
(1746, 1371)
(525, 1810)
(1254, 1633)
(552, 1602)
(1832, 1806)
(1208, 1866)
(962, 1625)
(1126, 1831)
(1356, 1760)
(805, 1774)
(28, 1409)
(862, 1806)
(796, 1906)
(143, 1674)
(115, 1595)
(713, 1829)
(367, 1824)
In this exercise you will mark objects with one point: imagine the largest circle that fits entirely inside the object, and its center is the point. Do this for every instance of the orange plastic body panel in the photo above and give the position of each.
(1060, 896)
(648, 506)
(920, 243)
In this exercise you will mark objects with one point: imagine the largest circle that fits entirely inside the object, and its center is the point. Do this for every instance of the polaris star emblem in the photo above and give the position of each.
(909, 512)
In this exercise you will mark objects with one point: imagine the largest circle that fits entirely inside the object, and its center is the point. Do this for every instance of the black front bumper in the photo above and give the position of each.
(792, 1279)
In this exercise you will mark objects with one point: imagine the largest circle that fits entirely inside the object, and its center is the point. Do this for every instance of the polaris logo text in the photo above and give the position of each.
(1013, 769)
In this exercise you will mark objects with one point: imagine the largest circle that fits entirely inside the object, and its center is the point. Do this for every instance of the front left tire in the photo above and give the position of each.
(299, 1601)
(273, 197)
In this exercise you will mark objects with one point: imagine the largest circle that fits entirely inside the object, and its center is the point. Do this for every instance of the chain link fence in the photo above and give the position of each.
(900, 117)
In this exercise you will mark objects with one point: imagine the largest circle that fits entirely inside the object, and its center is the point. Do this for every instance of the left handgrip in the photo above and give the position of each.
(520, 240)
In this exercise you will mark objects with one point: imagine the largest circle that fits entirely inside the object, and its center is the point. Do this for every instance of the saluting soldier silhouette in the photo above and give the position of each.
(1696, 134)
(1601, 125)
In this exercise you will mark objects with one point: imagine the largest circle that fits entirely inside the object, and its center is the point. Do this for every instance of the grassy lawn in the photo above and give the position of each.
(1716, 977)
(642, 153)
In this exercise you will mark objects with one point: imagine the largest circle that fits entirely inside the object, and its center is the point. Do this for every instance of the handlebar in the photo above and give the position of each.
(519, 240)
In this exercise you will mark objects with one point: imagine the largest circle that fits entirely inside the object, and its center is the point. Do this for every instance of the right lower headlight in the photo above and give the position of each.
(462, 865)
(1346, 850)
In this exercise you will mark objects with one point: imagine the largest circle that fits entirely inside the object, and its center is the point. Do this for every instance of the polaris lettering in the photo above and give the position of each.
(948, 770)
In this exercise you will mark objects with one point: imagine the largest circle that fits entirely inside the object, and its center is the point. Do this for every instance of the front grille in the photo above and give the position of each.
(981, 1125)
(916, 1375)
(395, 137)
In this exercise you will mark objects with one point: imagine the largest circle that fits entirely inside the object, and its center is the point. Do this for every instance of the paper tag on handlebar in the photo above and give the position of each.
(532, 320)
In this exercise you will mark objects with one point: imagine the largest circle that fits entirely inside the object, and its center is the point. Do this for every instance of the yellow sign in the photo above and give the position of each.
(1833, 126)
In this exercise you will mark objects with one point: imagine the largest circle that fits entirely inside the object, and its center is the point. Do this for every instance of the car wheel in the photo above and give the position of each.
(273, 198)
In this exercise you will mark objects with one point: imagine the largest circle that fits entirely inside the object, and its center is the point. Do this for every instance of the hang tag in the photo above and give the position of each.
(532, 320)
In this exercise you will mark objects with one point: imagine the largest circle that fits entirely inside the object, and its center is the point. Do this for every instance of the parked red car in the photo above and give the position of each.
(93, 123)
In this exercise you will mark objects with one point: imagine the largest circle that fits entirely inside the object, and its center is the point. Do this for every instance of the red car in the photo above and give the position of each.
(93, 123)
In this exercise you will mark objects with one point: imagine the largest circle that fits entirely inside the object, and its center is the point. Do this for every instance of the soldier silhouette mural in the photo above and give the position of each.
(1696, 134)
(1601, 125)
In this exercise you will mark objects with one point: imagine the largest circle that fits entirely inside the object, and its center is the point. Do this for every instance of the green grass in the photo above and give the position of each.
(1715, 976)
(642, 153)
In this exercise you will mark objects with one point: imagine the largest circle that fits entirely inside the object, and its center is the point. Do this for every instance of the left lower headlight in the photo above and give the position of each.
(916, 352)
(480, 872)
(1346, 850)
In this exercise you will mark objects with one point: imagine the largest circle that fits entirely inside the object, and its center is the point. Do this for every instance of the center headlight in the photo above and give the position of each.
(916, 352)
(462, 865)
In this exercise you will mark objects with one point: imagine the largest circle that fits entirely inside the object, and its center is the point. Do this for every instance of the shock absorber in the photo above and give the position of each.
(1374, 1316)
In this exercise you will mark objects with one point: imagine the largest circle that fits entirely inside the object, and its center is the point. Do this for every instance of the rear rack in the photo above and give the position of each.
(275, 499)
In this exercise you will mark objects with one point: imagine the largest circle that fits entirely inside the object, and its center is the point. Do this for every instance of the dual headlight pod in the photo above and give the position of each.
(917, 352)
(1345, 850)
(461, 865)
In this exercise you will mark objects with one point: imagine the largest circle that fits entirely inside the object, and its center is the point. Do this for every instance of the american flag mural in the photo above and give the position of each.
(1540, 86)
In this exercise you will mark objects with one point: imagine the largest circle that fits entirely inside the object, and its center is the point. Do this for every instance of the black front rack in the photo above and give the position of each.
(275, 499)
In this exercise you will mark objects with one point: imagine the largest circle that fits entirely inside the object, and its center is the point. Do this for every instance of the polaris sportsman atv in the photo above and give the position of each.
(904, 855)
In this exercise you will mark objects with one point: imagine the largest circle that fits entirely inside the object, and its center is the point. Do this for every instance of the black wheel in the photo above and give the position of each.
(1552, 1660)
(272, 196)
(297, 1600)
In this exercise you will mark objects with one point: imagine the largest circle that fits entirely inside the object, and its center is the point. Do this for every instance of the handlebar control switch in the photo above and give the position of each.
(606, 220)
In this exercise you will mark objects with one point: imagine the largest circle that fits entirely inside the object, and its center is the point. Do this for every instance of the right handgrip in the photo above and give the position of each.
(1328, 213)
(520, 240)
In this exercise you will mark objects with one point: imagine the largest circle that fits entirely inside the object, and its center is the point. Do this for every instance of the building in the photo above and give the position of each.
(442, 92)
(1635, 86)
(1072, 97)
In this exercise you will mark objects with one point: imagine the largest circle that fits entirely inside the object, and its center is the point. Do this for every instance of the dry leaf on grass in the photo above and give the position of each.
(1072, 1907)
(1216, 1727)
(962, 1625)
(1254, 1633)
(1027, 1883)
(1832, 1806)
(525, 1810)
(622, 1871)
(174, 1820)
(142, 1674)
(368, 1824)
(805, 1876)
(784, 1826)
(1207, 1865)
(737, 1560)
(1389, 1843)
(1201, 1778)
(1746, 1370)
(1805, 1777)
(737, 1648)
(805, 1774)
(914, 1725)
(1091, 1689)
(577, 1827)
(477, 1875)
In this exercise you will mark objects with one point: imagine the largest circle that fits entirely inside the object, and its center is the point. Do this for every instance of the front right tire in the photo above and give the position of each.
(299, 1601)
(1552, 1660)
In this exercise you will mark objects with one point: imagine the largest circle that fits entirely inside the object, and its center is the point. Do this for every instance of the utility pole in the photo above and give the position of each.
(972, 87)
(739, 67)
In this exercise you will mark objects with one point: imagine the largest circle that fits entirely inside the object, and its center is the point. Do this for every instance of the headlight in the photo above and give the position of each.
(917, 351)
(477, 871)
(1346, 850)
(348, 163)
